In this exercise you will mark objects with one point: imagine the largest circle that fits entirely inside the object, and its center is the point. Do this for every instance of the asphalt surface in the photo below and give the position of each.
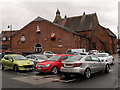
(32, 80)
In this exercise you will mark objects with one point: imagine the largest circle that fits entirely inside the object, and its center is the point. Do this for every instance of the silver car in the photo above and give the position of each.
(84, 65)
(36, 58)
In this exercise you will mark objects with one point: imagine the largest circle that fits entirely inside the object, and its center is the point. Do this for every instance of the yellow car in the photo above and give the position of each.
(16, 62)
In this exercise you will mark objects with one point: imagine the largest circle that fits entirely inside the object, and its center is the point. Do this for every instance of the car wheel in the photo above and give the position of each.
(16, 68)
(107, 68)
(54, 70)
(87, 73)
(3, 67)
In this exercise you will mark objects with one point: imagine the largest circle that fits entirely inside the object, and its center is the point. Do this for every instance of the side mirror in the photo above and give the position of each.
(11, 60)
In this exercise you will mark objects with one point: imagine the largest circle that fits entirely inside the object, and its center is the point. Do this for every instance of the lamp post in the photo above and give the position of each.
(10, 26)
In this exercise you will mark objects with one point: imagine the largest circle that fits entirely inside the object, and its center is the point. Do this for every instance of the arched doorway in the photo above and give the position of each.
(38, 48)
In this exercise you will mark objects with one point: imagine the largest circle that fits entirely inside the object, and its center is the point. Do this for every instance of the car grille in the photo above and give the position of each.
(28, 66)
(40, 65)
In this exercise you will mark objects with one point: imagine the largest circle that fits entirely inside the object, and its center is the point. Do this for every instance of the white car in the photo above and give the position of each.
(48, 53)
(106, 57)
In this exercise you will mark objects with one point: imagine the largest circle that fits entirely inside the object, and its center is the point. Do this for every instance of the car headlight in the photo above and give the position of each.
(32, 62)
(20, 63)
(47, 65)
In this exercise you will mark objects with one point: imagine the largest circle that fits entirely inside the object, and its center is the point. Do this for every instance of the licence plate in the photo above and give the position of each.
(68, 65)
(29, 68)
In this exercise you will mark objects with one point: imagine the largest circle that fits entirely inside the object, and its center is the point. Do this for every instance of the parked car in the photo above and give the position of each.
(93, 52)
(52, 64)
(83, 65)
(8, 52)
(36, 58)
(82, 50)
(106, 57)
(16, 62)
(48, 53)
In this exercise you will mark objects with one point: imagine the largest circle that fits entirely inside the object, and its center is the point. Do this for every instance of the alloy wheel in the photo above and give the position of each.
(54, 70)
(87, 73)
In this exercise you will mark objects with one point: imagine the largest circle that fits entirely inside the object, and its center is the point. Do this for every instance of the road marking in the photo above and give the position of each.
(110, 70)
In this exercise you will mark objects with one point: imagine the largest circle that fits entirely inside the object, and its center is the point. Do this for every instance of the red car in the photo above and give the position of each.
(52, 64)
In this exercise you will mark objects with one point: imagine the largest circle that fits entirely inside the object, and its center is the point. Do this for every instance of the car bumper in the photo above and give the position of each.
(25, 68)
(46, 69)
(76, 70)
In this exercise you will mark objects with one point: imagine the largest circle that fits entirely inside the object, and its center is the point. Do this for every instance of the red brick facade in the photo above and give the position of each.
(68, 39)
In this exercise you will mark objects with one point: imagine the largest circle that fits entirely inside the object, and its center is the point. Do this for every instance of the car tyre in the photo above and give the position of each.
(16, 68)
(54, 70)
(107, 68)
(87, 73)
(3, 67)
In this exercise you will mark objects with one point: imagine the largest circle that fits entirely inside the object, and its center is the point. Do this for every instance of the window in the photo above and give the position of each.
(6, 57)
(94, 45)
(10, 57)
(95, 59)
(59, 40)
(64, 57)
(88, 59)
(18, 42)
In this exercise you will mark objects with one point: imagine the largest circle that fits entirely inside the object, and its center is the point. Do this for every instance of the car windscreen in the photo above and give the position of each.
(41, 57)
(101, 55)
(74, 58)
(19, 57)
(53, 58)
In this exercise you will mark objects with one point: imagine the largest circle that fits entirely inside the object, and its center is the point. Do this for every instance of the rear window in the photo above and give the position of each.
(74, 58)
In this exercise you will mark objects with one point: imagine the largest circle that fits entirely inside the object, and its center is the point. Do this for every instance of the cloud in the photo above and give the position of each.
(18, 12)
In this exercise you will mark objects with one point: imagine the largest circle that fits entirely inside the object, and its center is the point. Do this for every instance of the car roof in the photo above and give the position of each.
(102, 53)
(63, 55)
(36, 54)
(13, 55)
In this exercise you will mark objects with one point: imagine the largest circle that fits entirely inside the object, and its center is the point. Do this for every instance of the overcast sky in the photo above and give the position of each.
(19, 13)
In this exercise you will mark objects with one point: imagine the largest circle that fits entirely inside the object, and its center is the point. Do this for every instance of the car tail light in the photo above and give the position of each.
(77, 64)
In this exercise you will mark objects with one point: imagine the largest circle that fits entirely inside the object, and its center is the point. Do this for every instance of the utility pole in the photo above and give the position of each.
(10, 26)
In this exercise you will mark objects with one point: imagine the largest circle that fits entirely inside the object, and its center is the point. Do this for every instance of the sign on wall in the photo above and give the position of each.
(53, 36)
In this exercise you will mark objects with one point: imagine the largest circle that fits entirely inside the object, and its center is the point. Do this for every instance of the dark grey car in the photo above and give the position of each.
(84, 65)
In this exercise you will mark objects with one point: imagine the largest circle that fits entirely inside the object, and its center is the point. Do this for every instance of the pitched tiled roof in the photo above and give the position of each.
(109, 31)
(78, 23)
(38, 19)
(7, 33)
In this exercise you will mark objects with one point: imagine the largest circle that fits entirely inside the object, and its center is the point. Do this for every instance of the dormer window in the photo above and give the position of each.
(38, 29)
(23, 39)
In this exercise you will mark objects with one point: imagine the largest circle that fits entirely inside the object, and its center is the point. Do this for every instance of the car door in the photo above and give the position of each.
(89, 63)
(5, 61)
(97, 64)
(10, 63)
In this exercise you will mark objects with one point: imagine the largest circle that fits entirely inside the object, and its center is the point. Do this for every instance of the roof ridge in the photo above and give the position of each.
(80, 16)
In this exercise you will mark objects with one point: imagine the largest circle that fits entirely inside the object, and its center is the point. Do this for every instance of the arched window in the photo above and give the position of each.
(38, 48)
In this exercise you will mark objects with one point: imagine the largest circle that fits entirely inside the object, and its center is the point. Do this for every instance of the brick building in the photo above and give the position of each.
(43, 35)
(100, 38)
(62, 34)
(5, 39)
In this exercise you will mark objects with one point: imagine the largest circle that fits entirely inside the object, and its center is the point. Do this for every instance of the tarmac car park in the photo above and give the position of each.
(45, 65)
